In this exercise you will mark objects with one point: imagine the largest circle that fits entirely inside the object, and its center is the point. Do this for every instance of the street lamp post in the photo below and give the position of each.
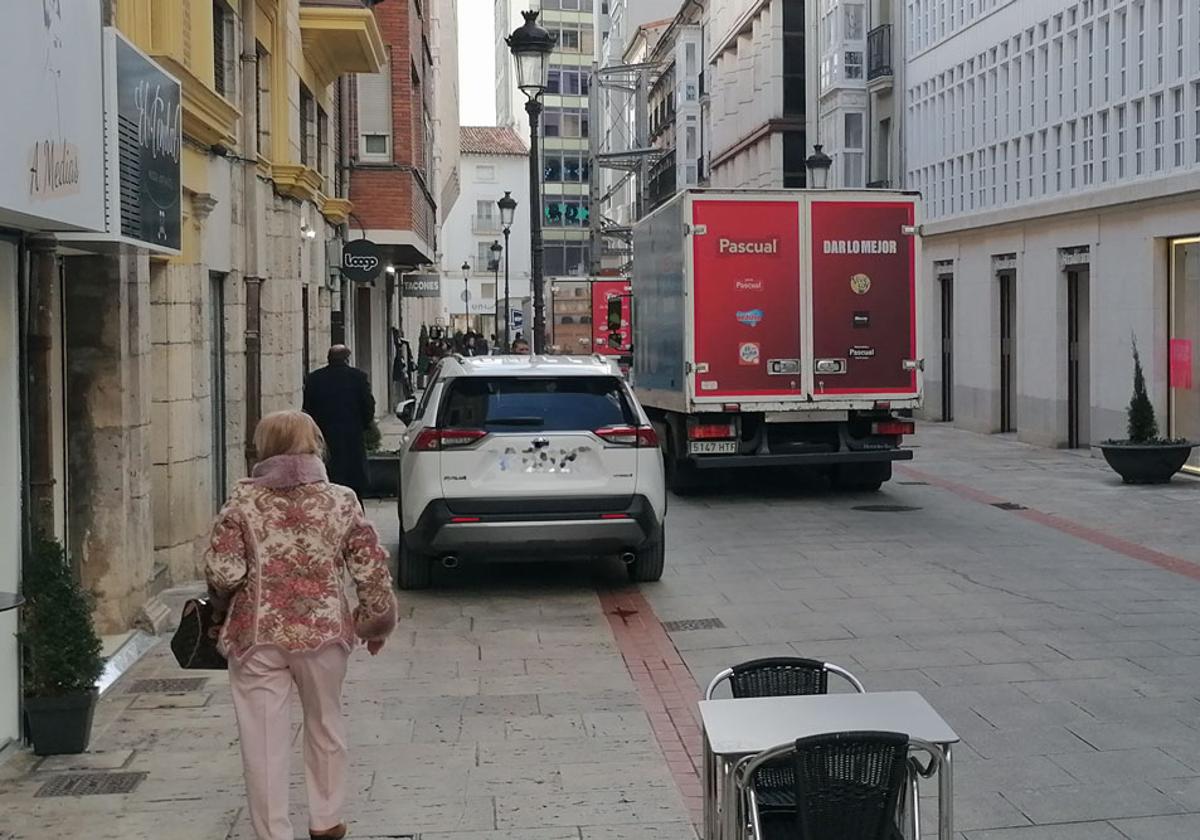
(466, 269)
(496, 249)
(531, 46)
(818, 164)
(508, 207)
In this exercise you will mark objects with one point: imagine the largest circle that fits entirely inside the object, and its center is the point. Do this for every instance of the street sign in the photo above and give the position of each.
(421, 286)
(464, 296)
(361, 261)
(517, 318)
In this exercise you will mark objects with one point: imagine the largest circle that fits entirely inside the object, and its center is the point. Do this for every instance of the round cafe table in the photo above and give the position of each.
(10, 601)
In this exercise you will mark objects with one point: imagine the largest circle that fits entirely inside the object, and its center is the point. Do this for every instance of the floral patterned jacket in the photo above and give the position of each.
(278, 557)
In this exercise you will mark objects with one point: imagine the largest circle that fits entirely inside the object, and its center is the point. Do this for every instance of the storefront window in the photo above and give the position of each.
(1185, 339)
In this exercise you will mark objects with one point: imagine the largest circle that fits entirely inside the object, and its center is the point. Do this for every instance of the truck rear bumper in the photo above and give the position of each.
(808, 459)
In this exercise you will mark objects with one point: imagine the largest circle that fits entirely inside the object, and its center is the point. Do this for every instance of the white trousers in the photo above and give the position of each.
(262, 685)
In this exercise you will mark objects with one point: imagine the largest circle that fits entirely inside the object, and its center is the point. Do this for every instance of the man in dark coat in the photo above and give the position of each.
(338, 397)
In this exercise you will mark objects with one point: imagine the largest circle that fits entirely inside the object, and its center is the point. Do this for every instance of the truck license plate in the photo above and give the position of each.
(712, 447)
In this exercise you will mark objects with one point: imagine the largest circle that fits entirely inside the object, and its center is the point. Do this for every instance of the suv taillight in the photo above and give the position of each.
(435, 440)
(643, 437)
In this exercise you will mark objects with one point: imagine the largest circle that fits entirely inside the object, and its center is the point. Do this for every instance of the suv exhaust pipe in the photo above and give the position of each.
(449, 562)
(628, 558)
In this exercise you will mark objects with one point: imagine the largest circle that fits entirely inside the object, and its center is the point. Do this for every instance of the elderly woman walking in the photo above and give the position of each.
(277, 561)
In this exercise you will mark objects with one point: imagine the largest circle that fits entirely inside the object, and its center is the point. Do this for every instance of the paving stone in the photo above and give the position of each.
(1176, 827)
(1066, 803)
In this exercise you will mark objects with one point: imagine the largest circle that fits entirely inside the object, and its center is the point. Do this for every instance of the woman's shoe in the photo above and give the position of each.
(335, 833)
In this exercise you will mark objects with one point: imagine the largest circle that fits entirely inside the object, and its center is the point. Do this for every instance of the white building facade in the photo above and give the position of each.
(492, 161)
(1057, 144)
(759, 88)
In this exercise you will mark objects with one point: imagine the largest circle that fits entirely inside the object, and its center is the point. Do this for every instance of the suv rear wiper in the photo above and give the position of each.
(516, 421)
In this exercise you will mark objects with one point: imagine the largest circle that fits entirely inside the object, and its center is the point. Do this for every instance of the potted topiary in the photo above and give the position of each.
(1144, 457)
(62, 658)
(383, 466)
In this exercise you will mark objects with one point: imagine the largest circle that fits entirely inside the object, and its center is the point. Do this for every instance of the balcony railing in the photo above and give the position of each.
(485, 224)
(662, 179)
(879, 52)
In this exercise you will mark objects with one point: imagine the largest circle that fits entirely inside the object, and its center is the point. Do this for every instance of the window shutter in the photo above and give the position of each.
(375, 113)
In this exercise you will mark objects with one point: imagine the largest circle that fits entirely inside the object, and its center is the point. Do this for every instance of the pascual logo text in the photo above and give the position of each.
(733, 246)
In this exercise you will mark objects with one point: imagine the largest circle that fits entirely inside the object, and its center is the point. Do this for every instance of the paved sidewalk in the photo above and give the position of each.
(1061, 640)
(1061, 648)
(500, 710)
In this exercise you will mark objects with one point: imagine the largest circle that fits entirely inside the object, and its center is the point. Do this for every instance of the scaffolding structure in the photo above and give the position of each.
(620, 142)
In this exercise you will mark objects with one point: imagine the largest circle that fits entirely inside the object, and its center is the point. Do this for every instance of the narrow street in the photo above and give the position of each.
(1060, 637)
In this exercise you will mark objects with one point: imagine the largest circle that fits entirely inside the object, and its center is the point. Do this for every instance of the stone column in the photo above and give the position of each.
(107, 336)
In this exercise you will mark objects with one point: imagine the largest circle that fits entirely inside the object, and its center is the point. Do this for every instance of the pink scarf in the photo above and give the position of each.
(283, 471)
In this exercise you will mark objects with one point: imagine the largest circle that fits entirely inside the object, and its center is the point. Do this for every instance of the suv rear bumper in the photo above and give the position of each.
(597, 525)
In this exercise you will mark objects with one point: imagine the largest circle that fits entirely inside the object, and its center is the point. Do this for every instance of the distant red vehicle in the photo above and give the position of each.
(779, 328)
(605, 341)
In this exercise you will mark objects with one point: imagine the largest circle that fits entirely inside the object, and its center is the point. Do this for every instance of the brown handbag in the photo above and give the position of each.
(195, 641)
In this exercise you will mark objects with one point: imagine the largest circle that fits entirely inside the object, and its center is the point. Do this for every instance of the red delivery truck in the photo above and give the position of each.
(609, 297)
(779, 328)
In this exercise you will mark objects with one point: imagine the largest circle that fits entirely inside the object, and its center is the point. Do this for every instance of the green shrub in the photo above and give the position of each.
(61, 648)
(1142, 425)
(372, 437)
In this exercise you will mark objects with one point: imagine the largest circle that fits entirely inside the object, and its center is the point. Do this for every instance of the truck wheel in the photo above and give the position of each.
(415, 571)
(862, 478)
(681, 474)
(648, 567)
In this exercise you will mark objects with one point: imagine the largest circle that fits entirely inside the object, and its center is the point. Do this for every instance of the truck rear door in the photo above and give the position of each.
(746, 298)
(863, 298)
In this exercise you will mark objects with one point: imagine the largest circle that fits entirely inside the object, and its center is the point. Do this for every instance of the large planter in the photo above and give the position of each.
(60, 725)
(1147, 463)
(383, 475)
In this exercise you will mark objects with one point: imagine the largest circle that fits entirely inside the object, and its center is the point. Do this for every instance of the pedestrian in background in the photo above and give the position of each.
(520, 347)
(339, 398)
(276, 565)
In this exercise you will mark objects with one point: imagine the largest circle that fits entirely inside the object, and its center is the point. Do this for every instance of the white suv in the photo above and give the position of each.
(516, 456)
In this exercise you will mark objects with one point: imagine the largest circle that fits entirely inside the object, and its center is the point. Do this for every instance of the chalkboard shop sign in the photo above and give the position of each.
(149, 141)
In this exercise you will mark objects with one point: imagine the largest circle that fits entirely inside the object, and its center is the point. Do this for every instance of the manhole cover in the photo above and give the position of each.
(914, 483)
(90, 784)
(1009, 506)
(693, 624)
(885, 508)
(167, 686)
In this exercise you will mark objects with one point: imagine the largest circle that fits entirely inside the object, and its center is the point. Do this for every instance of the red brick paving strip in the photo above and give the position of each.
(669, 694)
(1096, 537)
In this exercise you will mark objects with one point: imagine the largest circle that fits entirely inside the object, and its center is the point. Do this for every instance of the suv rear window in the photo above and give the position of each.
(558, 404)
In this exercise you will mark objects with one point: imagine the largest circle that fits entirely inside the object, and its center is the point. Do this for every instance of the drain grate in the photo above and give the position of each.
(1009, 506)
(177, 685)
(886, 508)
(913, 483)
(693, 624)
(90, 784)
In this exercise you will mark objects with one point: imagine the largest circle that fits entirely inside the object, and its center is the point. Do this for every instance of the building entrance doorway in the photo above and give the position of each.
(1184, 305)
(946, 287)
(1078, 354)
(1008, 350)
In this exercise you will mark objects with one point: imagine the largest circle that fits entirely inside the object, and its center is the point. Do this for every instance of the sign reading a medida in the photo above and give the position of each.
(52, 172)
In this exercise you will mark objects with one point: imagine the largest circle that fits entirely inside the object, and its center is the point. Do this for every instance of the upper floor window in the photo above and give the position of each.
(375, 115)
(223, 47)
(308, 127)
(855, 20)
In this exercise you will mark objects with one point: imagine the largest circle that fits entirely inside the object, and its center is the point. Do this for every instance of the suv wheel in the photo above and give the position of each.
(648, 566)
(414, 571)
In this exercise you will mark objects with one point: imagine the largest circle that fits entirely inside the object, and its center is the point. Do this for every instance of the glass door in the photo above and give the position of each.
(1185, 337)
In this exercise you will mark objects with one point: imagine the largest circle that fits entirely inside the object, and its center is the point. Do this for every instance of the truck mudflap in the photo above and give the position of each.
(800, 459)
